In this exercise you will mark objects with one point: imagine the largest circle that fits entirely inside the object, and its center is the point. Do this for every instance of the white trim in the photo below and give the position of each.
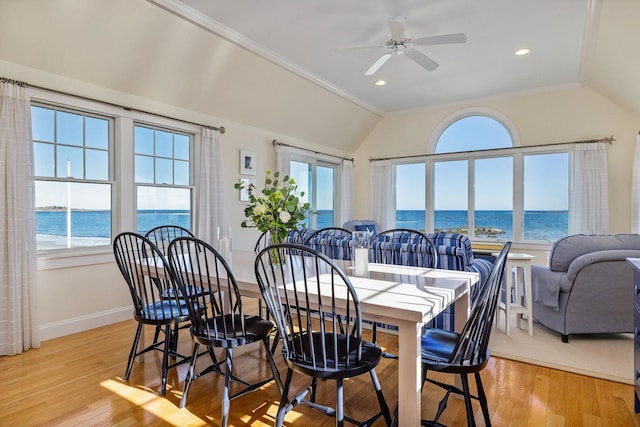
(84, 323)
(467, 112)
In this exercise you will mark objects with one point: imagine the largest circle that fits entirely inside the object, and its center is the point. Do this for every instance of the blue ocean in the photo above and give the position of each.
(538, 225)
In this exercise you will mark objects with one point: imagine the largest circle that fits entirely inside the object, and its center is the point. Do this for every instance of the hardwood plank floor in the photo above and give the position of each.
(77, 381)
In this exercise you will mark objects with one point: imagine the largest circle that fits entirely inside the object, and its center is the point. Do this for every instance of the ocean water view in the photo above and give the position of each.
(94, 227)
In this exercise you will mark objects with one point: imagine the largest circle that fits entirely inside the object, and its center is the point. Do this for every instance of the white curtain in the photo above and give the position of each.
(210, 188)
(635, 190)
(346, 192)
(283, 159)
(19, 326)
(590, 201)
(381, 202)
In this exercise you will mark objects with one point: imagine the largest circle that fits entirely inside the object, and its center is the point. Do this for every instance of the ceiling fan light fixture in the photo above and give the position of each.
(523, 51)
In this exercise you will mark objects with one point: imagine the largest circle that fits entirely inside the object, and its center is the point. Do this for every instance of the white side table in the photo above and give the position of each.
(520, 278)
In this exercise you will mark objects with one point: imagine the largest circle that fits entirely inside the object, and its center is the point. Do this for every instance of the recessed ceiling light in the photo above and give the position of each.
(521, 52)
(380, 83)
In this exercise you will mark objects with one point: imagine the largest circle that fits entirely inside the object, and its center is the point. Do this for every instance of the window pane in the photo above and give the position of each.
(162, 206)
(493, 215)
(410, 196)
(301, 173)
(97, 133)
(473, 133)
(325, 202)
(143, 140)
(69, 128)
(87, 207)
(97, 164)
(451, 196)
(43, 159)
(42, 128)
(164, 144)
(69, 162)
(181, 171)
(546, 196)
(181, 147)
(144, 169)
(164, 171)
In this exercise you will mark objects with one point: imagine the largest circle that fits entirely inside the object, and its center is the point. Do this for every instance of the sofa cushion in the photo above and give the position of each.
(565, 250)
(367, 227)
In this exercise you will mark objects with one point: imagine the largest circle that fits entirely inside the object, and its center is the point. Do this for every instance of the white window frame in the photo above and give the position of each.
(325, 161)
(123, 204)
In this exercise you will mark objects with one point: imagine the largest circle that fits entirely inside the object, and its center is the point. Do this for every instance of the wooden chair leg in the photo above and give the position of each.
(471, 422)
(339, 403)
(132, 354)
(226, 401)
(190, 372)
(482, 397)
(284, 400)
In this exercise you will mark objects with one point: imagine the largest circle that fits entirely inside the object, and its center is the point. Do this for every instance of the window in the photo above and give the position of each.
(163, 178)
(100, 170)
(319, 181)
(72, 168)
(478, 184)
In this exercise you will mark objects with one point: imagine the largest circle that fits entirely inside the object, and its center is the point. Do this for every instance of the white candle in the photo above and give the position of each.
(361, 261)
(225, 249)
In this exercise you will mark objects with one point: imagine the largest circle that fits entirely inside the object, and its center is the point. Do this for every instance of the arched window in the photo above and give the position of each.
(478, 181)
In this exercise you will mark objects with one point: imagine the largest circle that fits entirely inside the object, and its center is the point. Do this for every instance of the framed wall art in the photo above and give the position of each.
(247, 162)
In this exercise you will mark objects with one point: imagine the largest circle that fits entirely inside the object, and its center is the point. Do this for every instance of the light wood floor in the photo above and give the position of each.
(77, 381)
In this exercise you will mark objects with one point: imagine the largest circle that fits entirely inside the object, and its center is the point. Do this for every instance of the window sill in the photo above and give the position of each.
(51, 260)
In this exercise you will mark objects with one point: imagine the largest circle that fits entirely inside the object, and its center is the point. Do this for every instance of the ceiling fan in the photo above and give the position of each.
(400, 44)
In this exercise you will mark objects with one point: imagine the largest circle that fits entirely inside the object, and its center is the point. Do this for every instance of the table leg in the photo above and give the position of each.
(528, 297)
(409, 366)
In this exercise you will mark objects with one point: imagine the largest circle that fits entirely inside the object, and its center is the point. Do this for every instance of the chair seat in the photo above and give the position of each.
(438, 346)
(229, 331)
(164, 310)
(348, 366)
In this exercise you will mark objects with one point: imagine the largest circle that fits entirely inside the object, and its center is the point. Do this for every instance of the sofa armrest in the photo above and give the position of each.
(545, 286)
(598, 256)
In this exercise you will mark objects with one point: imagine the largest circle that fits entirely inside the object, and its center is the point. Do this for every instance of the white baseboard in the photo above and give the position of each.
(83, 323)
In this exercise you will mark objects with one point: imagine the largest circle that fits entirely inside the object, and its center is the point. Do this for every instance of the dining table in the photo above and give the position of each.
(403, 296)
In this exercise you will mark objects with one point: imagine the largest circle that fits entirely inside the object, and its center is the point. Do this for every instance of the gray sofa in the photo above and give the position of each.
(588, 285)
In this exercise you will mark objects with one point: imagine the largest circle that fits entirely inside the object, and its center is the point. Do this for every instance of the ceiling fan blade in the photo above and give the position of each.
(396, 26)
(379, 63)
(421, 59)
(441, 39)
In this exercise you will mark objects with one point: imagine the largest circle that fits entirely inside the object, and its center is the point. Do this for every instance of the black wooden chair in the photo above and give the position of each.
(223, 324)
(401, 246)
(155, 297)
(162, 235)
(314, 343)
(466, 352)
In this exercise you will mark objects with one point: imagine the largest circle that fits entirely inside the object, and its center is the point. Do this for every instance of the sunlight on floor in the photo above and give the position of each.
(154, 404)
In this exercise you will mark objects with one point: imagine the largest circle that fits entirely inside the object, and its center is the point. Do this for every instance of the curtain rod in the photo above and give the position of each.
(220, 129)
(607, 140)
(276, 142)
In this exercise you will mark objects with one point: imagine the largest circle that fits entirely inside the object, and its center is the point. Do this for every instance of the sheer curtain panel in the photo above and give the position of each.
(210, 187)
(346, 192)
(590, 200)
(19, 328)
(635, 190)
(283, 159)
(381, 203)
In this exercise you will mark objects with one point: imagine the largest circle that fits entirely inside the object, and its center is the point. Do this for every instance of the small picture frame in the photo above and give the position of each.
(245, 192)
(247, 162)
